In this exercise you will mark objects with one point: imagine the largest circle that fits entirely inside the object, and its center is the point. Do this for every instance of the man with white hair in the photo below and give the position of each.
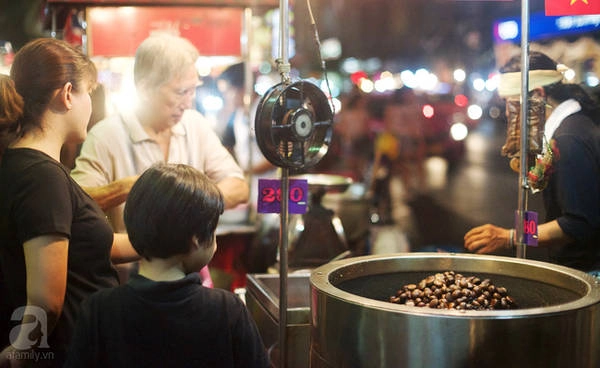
(161, 127)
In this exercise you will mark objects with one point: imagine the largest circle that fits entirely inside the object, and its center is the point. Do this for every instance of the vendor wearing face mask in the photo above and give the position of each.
(567, 172)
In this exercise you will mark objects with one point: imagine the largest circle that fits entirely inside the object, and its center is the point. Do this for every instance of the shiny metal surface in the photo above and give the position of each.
(262, 300)
(294, 125)
(326, 182)
(318, 236)
(558, 324)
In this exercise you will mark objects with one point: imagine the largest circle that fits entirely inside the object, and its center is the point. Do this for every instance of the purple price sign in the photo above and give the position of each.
(269, 196)
(530, 227)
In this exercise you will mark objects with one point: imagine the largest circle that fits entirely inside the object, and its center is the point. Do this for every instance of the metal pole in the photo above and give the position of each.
(246, 42)
(283, 249)
(53, 25)
(283, 268)
(524, 149)
(84, 37)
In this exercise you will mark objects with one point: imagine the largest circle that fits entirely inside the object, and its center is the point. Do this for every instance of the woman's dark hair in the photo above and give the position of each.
(167, 206)
(39, 68)
(558, 91)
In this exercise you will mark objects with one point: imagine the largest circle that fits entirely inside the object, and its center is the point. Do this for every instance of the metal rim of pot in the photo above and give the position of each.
(326, 278)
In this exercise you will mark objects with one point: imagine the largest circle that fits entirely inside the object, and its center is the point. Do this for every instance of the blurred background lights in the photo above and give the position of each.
(373, 64)
(428, 111)
(380, 85)
(508, 30)
(569, 75)
(492, 83)
(351, 65)
(366, 85)
(430, 82)
(357, 76)
(386, 82)
(591, 80)
(422, 74)
(426, 80)
(203, 66)
(386, 75)
(461, 100)
(337, 104)
(265, 68)
(459, 75)
(459, 131)
(212, 103)
(495, 112)
(474, 112)
(263, 83)
(478, 84)
(331, 49)
(408, 78)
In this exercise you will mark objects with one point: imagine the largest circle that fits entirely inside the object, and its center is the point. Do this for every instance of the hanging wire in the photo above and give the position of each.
(521, 251)
(318, 43)
(283, 63)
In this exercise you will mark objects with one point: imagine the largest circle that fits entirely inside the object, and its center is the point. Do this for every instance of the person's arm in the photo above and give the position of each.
(491, 239)
(550, 234)
(235, 191)
(46, 265)
(97, 163)
(113, 194)
(262, 167)
(46, 268)
(217, 163)
(122, 251)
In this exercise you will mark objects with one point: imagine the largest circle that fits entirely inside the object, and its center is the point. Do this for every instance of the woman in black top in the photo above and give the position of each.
(56, 246)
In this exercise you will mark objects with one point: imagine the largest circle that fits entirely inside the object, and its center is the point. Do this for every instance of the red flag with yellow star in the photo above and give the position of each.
(572, 7)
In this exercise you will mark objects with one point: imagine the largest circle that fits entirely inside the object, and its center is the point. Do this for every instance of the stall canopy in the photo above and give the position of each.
(115, 28)
(214, 3)
(117, 31)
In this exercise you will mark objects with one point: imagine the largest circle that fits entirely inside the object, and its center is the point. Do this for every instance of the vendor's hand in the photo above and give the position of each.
(487, 239)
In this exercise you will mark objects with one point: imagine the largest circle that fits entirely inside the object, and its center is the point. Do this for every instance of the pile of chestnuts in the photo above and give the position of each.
(451, 290)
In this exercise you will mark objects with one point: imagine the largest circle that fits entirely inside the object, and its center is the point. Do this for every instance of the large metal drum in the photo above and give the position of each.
(557, 323)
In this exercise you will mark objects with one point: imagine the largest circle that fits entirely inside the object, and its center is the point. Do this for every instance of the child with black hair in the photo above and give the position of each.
(163, 316)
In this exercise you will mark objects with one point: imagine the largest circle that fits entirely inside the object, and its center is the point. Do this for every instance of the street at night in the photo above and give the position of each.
(480, 189)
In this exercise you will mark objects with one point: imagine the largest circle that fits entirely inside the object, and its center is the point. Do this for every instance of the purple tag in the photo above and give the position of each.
(269, 196)
(530, 227)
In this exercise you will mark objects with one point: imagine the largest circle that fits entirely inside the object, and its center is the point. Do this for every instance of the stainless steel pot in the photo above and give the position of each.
(353, 324)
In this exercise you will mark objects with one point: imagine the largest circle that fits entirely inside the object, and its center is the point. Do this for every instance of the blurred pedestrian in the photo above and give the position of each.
(352, 139)
(240, 138)
(239, 135)
(56, 246)
(400, 152)
(403, 120)
(568, 173)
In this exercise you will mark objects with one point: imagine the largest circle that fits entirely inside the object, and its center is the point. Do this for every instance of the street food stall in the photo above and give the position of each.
(345, 313)
(433, 309)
